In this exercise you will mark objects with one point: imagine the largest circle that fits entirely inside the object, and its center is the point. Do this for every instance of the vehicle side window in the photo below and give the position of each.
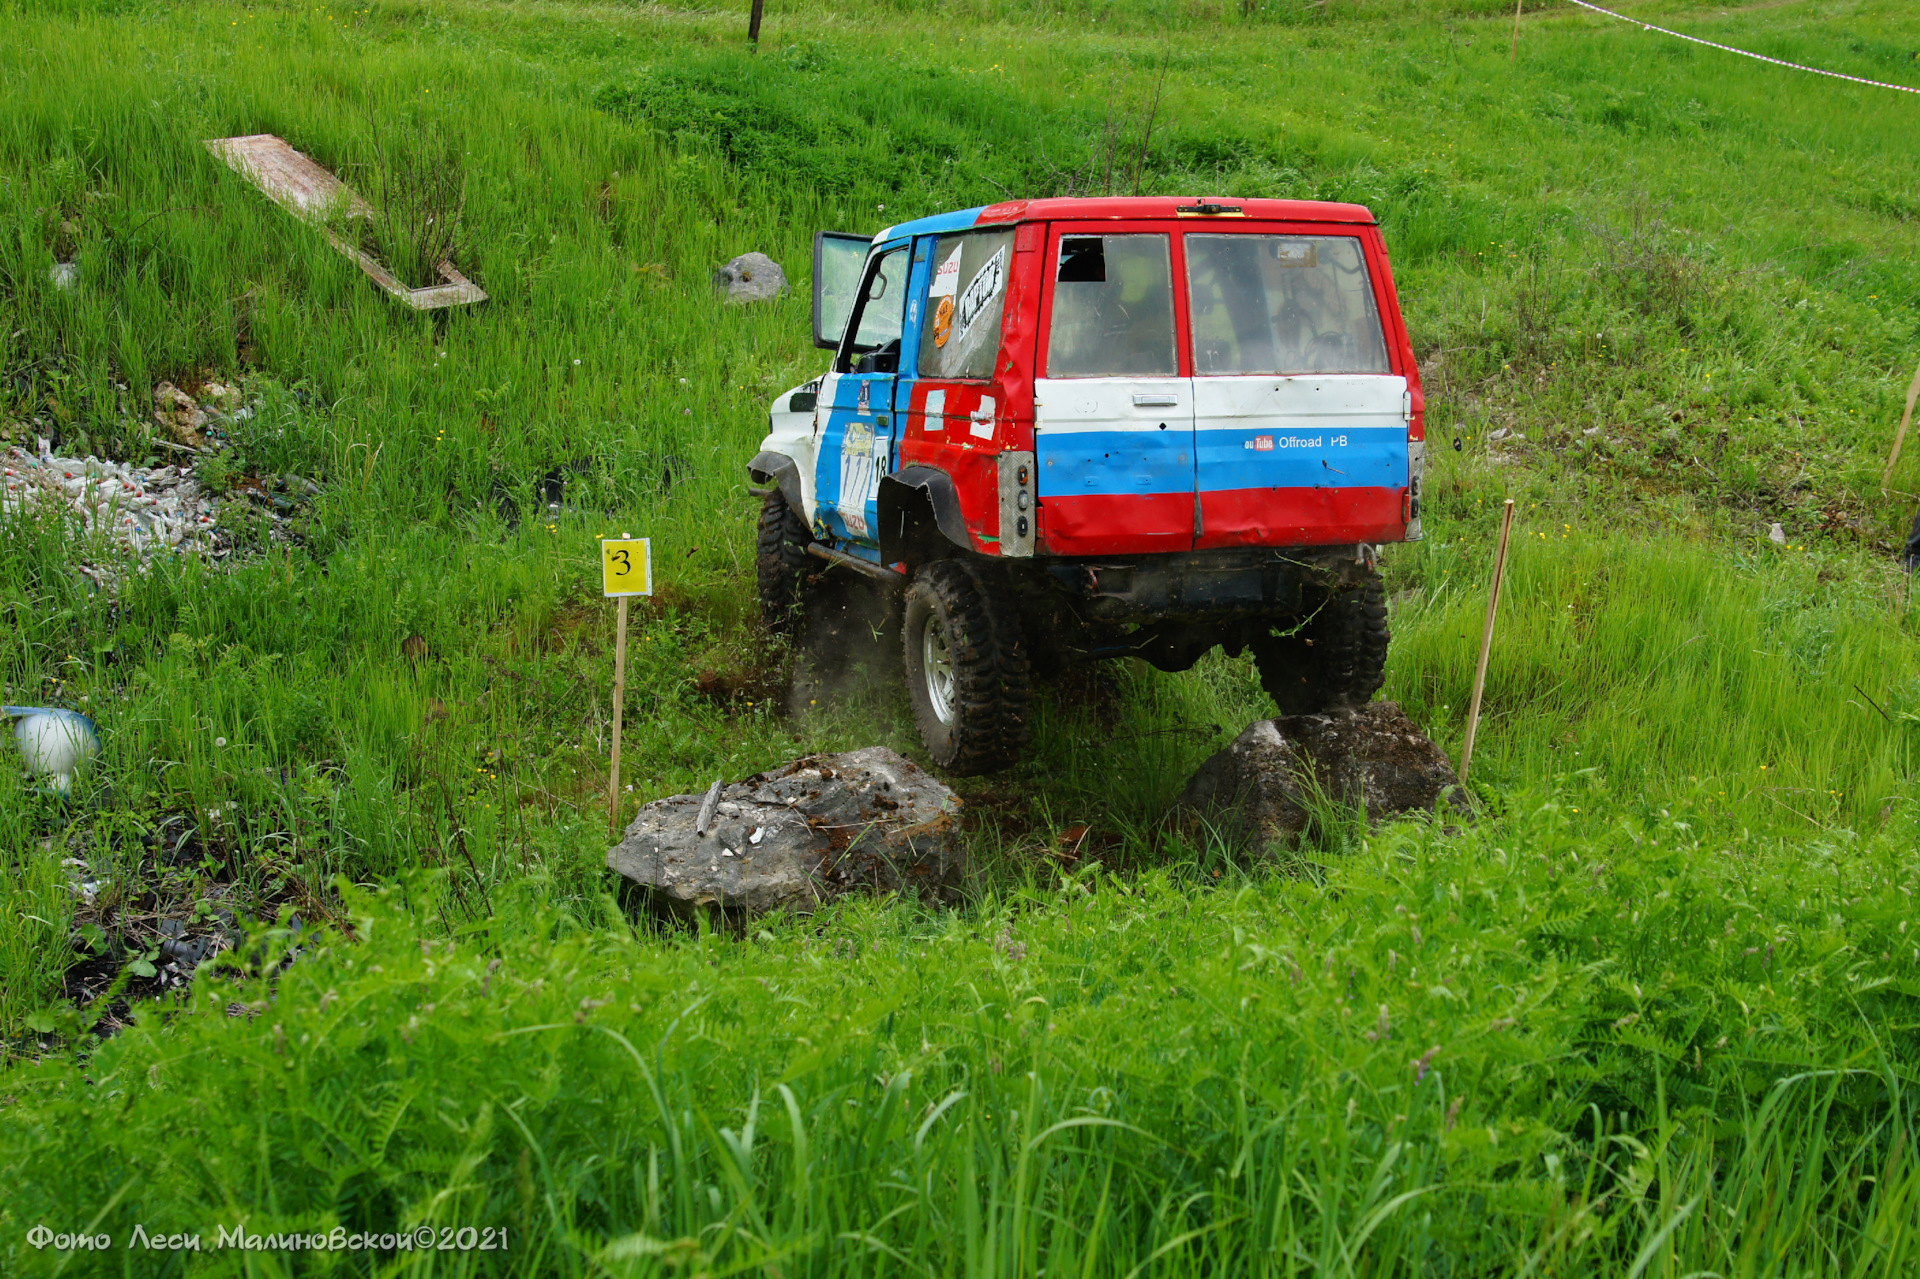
(875, 344)
(966, 302)
(1112, 308)
(1282, 304)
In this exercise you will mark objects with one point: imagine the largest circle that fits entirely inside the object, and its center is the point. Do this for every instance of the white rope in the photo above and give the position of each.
(1727, 48)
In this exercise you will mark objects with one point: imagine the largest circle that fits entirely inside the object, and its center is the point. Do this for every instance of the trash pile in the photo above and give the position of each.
(139, 508)
(145, 509)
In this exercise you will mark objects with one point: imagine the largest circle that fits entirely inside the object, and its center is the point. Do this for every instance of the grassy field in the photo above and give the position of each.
(1654, 1013)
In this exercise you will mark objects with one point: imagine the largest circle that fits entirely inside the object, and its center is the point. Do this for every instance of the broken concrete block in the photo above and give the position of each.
(795, 836)
(751, 277)
(1258, 791)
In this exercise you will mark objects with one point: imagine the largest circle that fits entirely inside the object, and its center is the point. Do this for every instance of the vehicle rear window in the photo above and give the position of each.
(965, 302)
(1282, 304)
(1112, 308)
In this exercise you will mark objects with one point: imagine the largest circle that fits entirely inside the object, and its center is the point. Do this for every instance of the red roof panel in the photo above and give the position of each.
(1115, 208)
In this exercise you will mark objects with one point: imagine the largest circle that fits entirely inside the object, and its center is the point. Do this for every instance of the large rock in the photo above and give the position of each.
(174, 409)
(751, 277)
(792, 837)
(1259, 790)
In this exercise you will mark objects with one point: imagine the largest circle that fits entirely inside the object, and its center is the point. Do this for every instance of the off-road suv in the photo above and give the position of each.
(1086, 428)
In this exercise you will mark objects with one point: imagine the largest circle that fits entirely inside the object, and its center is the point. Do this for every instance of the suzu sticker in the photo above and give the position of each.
(946, 278)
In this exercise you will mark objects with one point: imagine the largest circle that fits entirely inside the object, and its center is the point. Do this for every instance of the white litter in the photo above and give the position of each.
(140, 508)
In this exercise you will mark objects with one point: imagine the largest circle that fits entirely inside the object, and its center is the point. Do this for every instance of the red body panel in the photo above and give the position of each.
(1113, 524)
(1302, 517)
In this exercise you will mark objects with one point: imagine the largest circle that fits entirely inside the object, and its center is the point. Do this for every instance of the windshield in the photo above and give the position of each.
(1282, 304)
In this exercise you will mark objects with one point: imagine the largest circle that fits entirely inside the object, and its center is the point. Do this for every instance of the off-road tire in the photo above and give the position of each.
(1339, 658)
(781, 563)
(985, 689)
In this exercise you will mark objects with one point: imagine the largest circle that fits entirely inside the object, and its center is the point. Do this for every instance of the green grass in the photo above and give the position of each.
(1670, 971)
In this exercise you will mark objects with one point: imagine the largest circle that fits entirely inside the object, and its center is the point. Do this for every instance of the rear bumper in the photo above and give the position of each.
(1203, 585)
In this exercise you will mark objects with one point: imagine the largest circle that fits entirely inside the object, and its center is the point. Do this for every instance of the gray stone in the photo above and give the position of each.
(64, 275)
(1374, 757)
(751, 277)
(795, 836)
(1259, 790)
(1250, 792)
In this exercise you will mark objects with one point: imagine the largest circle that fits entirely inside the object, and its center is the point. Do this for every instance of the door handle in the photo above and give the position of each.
(1155, 399)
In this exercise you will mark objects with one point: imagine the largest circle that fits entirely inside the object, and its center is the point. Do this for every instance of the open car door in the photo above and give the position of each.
(837, 259)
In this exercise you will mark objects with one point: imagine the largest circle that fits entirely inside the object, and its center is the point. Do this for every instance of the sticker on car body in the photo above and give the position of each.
(981, 291)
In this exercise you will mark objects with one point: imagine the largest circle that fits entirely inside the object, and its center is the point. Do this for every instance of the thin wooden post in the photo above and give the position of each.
(753, 22)
(1486, 640)
(1513, 58)
(1900, 436)
(619, 704)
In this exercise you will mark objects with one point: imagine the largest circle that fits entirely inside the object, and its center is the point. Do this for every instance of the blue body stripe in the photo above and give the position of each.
(1134, 463)
(1143, 463)
(938, 224)
(1319, 456)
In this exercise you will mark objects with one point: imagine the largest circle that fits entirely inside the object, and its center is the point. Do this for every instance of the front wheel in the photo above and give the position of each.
(967, 669)
(1338, 657)
(781, 563)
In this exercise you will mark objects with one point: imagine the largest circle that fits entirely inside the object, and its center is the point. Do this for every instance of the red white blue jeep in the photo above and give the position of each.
(1083, 428)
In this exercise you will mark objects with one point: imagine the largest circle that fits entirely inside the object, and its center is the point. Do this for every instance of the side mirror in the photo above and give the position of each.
(838, 257)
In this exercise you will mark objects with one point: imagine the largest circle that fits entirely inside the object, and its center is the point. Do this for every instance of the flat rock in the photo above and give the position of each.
(751, 277)
(1259, 789)
(795, 836)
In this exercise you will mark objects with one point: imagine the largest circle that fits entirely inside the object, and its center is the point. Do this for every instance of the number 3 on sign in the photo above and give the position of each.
(626, 566)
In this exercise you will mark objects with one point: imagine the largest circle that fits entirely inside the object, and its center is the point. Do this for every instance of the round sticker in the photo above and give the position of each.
(943, 321)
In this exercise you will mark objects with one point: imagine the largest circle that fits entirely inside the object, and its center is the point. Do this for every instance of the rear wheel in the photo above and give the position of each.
(781, 563)
(1338, 658)
(967, 669)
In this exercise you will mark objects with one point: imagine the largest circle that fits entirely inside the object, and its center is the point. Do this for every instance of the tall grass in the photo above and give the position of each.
(1415, 1064)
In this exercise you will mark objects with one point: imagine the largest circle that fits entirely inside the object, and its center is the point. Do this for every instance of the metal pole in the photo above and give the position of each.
(1486, 640)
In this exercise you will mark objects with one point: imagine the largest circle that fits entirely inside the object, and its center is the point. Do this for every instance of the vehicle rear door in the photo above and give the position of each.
(1300, 422)
(1113, 406)
(856, 403)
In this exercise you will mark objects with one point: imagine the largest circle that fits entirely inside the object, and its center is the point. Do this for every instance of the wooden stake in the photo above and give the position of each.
(753, 22)
(1513, 58)
(1900, 436)
(619, 703)
(1486, 641)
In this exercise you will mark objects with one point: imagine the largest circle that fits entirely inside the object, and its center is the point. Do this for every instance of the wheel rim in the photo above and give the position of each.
(936, 661)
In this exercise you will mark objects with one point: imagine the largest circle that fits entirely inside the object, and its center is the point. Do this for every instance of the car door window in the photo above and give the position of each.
(1112, 308)
(966, 298)
(875, 344)
(1282, 304)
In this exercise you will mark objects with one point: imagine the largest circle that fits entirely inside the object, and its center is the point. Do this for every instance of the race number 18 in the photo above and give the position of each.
(626, 566)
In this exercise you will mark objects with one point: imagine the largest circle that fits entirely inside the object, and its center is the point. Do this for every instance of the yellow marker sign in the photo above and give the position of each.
(626, 566)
